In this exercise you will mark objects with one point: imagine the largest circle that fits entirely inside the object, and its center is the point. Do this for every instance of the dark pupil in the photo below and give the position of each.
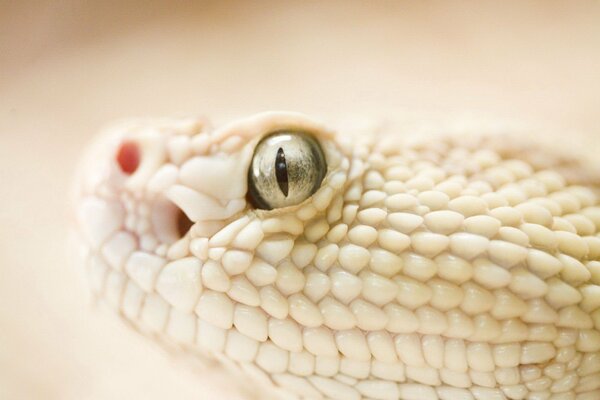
(281, 171)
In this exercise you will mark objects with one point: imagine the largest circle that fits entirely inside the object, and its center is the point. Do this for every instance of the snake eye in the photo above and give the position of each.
(286, 169)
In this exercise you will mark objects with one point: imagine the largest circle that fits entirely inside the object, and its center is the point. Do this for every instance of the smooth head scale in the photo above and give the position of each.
(422, 268)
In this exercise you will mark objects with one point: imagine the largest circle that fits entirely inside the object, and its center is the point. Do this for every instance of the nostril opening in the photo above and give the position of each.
(128, 157)
(169, 223)
(183, 223)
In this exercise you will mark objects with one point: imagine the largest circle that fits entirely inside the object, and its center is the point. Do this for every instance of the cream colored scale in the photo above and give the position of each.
(421, 268)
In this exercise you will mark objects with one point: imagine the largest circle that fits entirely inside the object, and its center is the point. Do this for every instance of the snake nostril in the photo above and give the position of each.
(169, 222)
(183, 223)
(128, 157)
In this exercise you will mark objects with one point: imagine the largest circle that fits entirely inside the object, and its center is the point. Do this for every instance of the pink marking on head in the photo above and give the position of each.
(128, 157)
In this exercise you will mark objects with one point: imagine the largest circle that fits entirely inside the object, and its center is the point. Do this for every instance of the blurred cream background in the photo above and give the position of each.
(68, 67)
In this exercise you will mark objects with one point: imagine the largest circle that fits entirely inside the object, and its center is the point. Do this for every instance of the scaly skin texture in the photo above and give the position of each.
(425, 267)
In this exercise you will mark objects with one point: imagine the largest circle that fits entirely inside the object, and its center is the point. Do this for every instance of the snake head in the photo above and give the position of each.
(321, 264)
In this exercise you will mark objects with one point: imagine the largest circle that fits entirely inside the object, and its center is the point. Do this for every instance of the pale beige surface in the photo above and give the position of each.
(66, 70)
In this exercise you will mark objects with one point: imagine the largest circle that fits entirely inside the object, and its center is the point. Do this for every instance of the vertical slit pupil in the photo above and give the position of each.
(281, 172)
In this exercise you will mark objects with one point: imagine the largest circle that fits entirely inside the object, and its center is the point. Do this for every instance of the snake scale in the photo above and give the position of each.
(319, 264)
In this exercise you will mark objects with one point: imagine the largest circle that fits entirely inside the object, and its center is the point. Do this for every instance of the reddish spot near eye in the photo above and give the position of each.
(128, 157)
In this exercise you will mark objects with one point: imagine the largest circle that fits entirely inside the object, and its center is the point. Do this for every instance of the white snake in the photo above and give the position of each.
(423, 267)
